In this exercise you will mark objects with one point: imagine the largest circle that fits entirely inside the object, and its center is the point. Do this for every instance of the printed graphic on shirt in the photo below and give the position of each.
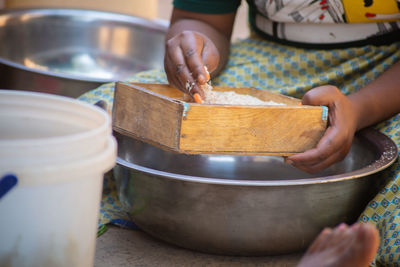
(329, 11)
(315, 11)
(358, 11)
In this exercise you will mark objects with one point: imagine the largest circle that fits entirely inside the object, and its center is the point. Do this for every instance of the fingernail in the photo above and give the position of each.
(342, 226)
(201, 79)
(197, 98)
(288, 161)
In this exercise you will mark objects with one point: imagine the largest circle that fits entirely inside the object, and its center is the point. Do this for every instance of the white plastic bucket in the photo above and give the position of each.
(59, 149)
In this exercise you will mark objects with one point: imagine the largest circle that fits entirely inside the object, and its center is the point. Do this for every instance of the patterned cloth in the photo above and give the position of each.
(287, 70)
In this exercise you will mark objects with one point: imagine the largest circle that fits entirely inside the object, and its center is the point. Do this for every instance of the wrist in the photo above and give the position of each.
(361, 111)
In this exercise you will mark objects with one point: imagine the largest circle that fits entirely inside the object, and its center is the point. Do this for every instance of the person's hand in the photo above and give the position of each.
(336, 142)
(186, 56)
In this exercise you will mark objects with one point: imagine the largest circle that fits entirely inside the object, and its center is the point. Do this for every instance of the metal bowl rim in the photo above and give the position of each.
(378, 165)
(156, 24)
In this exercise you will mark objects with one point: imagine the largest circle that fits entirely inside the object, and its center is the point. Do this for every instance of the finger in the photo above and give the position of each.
(193, 57)
(170, 65)
(343, 236)
(320, 165)
(328, 145)
(323, 238)
(322, 95)
(170, 69)
(183, 74)
(313, 168)
(210, 57)
(368, 234)
(337, 236)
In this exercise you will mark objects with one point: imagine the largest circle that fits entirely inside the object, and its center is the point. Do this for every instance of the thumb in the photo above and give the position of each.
(323, 95)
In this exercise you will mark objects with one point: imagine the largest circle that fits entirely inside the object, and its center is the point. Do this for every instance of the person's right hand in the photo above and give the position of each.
(186, 56)
(336, 142)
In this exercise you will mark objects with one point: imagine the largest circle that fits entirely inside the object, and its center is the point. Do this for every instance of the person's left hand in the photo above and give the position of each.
(336, 142)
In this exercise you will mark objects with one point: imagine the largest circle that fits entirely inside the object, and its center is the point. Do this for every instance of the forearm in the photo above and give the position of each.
(379, 100)
(220, 37)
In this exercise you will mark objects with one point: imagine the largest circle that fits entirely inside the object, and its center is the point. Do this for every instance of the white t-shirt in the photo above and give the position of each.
(330, 23)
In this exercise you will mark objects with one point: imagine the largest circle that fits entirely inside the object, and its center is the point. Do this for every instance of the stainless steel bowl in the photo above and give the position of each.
(70, 51)
(246, 205)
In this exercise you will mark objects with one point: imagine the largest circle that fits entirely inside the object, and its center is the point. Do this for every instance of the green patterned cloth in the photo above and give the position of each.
(292, 71)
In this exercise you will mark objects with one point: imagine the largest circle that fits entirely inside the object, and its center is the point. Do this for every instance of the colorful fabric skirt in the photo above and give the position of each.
(292, 71)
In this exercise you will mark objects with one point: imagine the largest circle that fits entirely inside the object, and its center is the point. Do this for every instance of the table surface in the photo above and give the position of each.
(122, 247)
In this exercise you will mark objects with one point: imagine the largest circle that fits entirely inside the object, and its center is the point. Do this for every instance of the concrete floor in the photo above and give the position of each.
(122, 247)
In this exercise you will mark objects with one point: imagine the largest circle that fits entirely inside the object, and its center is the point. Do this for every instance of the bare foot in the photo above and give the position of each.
(343, 246)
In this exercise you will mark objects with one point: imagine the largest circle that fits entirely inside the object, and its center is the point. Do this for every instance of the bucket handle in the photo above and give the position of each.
(7, 182)
(103, 105)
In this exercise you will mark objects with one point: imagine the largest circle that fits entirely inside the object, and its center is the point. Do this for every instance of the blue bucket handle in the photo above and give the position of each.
(7, 182)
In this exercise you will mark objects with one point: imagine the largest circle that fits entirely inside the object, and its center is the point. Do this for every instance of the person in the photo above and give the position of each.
(199, 36)
(343, 54)
(343, 246)
(349, 52)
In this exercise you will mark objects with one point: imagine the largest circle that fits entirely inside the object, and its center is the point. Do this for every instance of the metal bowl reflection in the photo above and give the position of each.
(70, 51)
(245, 205)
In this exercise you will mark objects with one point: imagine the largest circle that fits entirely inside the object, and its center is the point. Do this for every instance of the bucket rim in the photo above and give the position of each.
(67, 171)
(105, 125)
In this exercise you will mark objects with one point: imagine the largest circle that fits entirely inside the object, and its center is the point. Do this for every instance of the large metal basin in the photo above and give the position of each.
(246, 205)
(70, 51)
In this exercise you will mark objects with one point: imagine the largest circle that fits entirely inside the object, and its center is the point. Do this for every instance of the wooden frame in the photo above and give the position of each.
(157, 114)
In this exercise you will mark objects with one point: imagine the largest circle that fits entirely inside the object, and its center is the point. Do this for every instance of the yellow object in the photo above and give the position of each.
(145, 9)
(361, 11)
